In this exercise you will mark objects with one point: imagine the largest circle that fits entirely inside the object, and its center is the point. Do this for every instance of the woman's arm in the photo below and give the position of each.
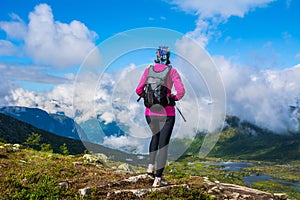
(140, 88)
(178, 85)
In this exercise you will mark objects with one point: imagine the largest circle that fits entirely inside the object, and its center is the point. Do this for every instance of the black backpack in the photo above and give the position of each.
(156, 90)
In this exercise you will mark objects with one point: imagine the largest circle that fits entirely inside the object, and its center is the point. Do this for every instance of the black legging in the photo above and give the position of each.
(161, 128)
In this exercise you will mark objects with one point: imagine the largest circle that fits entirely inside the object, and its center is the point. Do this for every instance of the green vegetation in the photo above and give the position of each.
(15, 131)
(33, 140)
(179, 193)
(249, 142)
(46, 148)
(288, 172)
(64, 149)
(31, 174)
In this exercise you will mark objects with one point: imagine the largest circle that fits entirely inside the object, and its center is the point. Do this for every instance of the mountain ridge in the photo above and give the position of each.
(56, 123)
(244, 140)
(15, 131)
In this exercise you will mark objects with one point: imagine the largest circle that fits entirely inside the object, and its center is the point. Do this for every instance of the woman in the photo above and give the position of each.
(161, 122)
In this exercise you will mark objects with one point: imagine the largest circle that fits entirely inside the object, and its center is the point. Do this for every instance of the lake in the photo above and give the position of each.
(249, 180)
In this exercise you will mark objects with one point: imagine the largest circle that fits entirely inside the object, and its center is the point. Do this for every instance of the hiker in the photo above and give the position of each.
(161, 116)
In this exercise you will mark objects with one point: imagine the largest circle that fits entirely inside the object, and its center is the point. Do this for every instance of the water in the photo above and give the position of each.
(249, 180)
(230, 166)
(233, 166)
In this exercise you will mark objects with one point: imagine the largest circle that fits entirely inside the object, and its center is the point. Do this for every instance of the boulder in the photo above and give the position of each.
(96, 158)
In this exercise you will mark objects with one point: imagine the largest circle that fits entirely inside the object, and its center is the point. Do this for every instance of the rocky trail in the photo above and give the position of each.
(136, 187)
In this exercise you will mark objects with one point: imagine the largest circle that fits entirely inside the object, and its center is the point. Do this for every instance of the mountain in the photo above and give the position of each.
(16, 131)
(57, 123)
(92, 130)
(244, 140)
(96, 130)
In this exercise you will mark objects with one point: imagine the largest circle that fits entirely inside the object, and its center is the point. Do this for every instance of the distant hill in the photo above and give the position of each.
(244, 140)
(57, 123)
(62, 125)
(16, 131)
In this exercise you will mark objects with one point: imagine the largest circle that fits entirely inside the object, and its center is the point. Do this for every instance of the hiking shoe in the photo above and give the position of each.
(150, 170)
(158, 182)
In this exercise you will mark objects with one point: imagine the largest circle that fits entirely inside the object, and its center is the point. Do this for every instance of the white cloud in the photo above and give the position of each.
(6, 86)
(108, 117)
(225, 9)
(16, 29)
(262, 97)
(213, 12)
(59, 99)
(50, 42)
(7, 48)
(57, 43)
(31, 74)
(126, 143)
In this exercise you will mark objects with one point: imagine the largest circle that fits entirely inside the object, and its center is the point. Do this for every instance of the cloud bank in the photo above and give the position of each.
(262, 97)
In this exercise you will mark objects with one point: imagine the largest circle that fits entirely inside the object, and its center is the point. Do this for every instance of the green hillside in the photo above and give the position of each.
(15, 131)
(243, 140)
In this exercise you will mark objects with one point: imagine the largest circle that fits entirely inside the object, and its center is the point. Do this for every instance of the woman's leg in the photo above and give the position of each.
(153, 123)
(163, 143)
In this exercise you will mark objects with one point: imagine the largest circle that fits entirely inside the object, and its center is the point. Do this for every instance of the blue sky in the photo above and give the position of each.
(264, 35)
(255, 45)
(263, 30)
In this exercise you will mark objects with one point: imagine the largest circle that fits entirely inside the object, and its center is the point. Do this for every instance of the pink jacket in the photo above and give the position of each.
(173, 79)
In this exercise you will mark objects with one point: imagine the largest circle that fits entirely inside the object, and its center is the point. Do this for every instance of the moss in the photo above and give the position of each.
(179, 193)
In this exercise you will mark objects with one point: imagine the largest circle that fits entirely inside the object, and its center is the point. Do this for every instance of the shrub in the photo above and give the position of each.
(46, 148)
(64, 149)
(33, 140)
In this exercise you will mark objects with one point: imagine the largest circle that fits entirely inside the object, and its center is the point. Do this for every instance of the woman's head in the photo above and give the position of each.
(163, 55)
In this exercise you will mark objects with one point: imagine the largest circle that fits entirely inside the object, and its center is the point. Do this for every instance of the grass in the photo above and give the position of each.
(32, 174)
(287, 172)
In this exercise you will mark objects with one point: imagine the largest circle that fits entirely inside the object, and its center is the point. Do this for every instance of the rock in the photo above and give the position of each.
(134, 179)
(125, 167)
(234, 195)
(77, 163)
(84, 192)
(235, 192)
(96, 158)
(12, 147)
(22, 161)
(63, 185)
(140, 192)
(280, 196)
(16, 147)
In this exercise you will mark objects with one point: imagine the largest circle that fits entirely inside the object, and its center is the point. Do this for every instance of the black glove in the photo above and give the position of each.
(171, 101)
